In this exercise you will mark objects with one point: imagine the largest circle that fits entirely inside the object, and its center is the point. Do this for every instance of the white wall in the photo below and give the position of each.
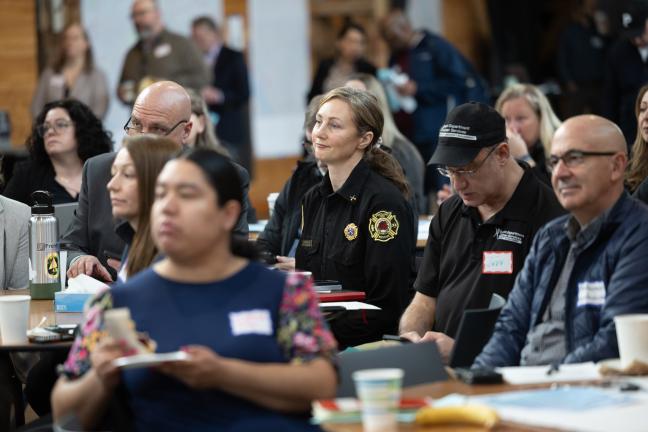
(279, 53)
(280, 74)
(425, 14)
(112, 34)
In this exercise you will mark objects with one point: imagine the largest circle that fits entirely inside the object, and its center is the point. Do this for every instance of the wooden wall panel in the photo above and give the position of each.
(269, 176)
(466, 26)
(18, 74)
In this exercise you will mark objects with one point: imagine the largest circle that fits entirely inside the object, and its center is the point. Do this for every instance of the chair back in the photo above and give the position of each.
(421, 363)
(475, 329)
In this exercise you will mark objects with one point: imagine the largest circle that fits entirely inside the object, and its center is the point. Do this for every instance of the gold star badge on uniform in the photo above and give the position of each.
(351, 231)
(383, 226)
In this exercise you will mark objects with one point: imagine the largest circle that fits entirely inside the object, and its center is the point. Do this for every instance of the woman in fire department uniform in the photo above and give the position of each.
(358, 227)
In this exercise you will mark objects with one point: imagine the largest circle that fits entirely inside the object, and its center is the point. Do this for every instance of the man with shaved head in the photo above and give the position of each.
(163, 109)
(584, 268)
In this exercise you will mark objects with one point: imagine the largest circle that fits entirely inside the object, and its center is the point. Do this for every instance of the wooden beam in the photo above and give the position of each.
(18, 74)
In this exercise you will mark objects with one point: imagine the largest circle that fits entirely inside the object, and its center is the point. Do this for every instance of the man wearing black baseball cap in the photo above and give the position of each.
(481, 235)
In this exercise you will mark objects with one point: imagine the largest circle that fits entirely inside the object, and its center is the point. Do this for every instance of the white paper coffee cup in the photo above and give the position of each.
(379, 391)
(632, 337)
(14, 319)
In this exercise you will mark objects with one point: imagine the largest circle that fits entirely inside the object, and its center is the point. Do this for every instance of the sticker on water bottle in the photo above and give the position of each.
(52, 265)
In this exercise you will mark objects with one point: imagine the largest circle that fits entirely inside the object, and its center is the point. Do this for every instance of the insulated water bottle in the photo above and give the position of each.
(44, 264)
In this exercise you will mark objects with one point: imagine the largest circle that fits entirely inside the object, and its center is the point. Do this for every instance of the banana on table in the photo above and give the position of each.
(478, 415)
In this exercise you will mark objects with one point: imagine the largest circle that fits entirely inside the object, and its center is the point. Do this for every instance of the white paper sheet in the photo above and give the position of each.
(628, 418)
(352, 305)
(84, 284)
(538, 374)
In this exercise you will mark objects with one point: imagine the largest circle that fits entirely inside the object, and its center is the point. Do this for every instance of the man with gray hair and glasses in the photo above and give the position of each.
(584, 268)
(164, 109)
(481, 235)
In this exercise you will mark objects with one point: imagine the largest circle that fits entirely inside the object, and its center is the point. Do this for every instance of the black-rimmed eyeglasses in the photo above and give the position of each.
(57, 127)
(574, 158)
(136, 129)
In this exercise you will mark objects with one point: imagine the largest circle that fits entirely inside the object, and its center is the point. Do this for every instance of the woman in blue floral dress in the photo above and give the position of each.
(258, 349)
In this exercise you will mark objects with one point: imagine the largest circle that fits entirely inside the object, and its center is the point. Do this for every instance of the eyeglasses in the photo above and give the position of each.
(452, 172)
(58, 127)
(574, 158)
(137, 129)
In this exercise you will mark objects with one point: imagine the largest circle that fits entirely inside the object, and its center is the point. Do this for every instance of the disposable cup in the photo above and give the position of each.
(632, 337)
(379, 392)
(14, 318)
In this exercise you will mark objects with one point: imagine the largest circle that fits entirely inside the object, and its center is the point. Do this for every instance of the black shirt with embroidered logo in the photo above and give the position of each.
(362, 235)
(466, 259)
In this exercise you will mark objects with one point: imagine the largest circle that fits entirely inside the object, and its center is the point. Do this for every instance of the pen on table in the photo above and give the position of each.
(553, 368)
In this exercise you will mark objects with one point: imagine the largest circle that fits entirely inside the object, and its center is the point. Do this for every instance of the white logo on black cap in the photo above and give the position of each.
(456, 131)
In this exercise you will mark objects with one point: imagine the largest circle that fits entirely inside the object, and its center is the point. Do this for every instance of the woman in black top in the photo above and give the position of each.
(357, 225)
(65, 134)
(334, 72)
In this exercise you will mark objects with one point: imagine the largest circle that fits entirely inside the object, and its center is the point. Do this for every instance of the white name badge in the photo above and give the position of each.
(256, 321)
(162, 50)
(591, 294)
(497, 262)
(57, 80)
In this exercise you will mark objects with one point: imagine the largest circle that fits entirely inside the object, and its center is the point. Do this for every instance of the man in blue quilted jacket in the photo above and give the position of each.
(584, 268)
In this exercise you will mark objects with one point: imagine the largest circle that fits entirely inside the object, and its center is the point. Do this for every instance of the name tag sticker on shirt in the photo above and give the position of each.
(256, 321)
(497, 262)
(591, 294)
(162, 50)
(57, 80)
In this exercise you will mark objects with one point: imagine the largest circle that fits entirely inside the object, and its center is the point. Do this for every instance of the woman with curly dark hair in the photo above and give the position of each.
(65, 134)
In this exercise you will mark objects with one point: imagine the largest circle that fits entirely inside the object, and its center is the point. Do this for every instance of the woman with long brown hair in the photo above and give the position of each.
(203, 134)
(357, 225)
(132, 191)
(638, 166)
(73, 75)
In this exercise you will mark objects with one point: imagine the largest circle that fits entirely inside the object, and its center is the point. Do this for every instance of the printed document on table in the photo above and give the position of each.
(352, 305)
(539, 374)
(574, 409)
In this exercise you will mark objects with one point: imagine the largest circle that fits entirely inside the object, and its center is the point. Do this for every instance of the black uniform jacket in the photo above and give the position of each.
(362, 235)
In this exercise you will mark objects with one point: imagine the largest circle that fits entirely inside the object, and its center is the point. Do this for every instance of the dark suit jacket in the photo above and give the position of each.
(230, 75)
(93, 229)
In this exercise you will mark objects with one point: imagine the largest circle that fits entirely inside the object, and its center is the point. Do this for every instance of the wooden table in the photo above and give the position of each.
(37, 310)
(441, 389)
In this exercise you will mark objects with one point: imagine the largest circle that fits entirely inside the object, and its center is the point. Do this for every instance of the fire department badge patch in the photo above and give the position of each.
(383, 226)
(351, 231)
